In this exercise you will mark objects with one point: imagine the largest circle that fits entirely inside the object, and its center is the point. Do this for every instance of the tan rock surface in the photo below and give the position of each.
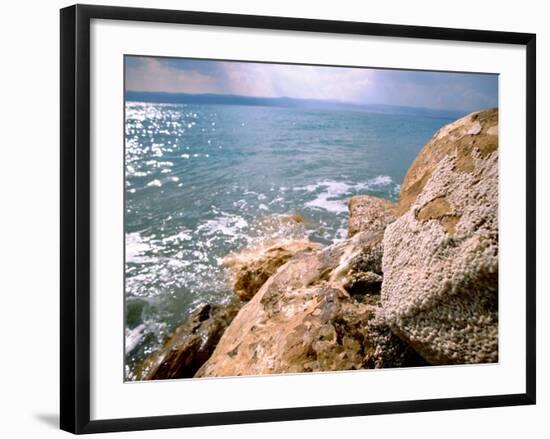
(368, 213)
(252, 267)
(477, 129)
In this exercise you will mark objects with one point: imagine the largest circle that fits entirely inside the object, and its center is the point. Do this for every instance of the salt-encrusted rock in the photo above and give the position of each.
(302, 319)
(479, 130)
(368, 213)
(252, 267)
(191, 344)
(383, 349)
(440, 260)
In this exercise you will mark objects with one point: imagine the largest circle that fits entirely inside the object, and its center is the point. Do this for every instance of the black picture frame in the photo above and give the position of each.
(75, 217)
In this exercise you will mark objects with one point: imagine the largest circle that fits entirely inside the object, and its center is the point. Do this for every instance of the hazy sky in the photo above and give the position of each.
(450, 91)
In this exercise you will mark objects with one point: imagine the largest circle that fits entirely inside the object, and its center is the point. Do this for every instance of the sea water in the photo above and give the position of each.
(202, 181)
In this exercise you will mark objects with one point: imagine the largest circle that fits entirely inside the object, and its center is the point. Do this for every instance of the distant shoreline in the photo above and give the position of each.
(284, 102)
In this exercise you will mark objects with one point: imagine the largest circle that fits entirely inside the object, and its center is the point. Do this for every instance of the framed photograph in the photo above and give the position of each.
(268, 218)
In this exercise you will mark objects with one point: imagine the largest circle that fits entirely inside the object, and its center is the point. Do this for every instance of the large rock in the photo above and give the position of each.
(440, 258)
(303, 319)
(477, 130)
(300, 330)
(368, 213)
(252, 267)
(191, 344)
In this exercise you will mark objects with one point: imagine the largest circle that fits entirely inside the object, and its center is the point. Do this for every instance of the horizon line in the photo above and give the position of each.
(287, 98)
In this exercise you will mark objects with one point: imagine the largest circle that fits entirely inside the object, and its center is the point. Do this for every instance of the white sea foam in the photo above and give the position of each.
(134, 336)
(328, 199)
(225, 224)
(341, 234)
(332, 195)
(240, 204)
(155, 264)
(136, 246)
(381, 180)
(184, 235)
(154, 183)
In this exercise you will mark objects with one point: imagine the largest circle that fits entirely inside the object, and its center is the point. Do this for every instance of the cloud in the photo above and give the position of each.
(443, 90)
(248, 79)
(306, 82)
(151, 74)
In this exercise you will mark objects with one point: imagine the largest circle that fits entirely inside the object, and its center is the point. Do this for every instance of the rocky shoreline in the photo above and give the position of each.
(415, 283)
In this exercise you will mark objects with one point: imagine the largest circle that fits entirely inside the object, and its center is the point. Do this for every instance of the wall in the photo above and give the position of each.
(30, 205)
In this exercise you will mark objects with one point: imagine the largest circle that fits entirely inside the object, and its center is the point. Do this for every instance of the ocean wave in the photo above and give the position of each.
(332, 195)
(156, 264)
(380, 180)
(147, 336)
(225, 224)
(141, 249)
(136, 247)
(135, 336)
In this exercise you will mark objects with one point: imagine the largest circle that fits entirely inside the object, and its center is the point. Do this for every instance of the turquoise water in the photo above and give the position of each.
(205, 180)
